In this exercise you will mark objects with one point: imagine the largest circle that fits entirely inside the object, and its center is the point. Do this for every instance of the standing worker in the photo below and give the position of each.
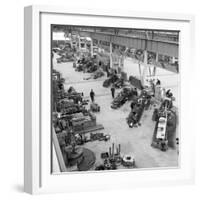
(135, 92)
(107, 71)
(113, 91)
(158, 82)
(92, 94)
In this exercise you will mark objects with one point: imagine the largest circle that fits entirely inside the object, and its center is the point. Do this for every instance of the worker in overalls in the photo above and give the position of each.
(92, 94)
(158, 82)
(113, 91)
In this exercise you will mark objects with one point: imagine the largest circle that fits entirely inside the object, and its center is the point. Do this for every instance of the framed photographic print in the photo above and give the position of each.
(105, 99)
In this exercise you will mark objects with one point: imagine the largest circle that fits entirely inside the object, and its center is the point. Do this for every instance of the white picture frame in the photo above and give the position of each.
(37, 130)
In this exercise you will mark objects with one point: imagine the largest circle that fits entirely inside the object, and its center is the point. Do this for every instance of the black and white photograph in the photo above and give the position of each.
(115, 98)
(100, 100)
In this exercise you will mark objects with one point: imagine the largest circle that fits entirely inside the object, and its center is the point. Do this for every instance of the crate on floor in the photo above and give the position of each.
(94, 107)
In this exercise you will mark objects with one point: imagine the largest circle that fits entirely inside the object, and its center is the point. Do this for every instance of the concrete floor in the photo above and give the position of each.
(134, 141)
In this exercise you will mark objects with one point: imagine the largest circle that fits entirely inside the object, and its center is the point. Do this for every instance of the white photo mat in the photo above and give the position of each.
(38, 177)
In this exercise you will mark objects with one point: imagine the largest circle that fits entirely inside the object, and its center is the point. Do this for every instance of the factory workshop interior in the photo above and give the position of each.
(115, 98)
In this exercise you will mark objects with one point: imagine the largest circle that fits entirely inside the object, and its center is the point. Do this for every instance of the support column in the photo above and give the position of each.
(122, 63)
(79, 42)
(111, 63)
(145, 57)
(145, 66)
(156, 57)
(140, 71)
(91, 48)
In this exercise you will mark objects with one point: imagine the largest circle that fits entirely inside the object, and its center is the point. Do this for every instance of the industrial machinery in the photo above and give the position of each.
(76, 96)
(118, 101)
(90, 67)
(70, 112)
(56, 49)
(111, 159)
(84, 138)
(125, 95)
(98, 73)
(139, 105)
(72, 94)
(67, 106)
(66, 54)
(84, 123)
(79, 67)
(165, 127)
(135, 82)
(94, 107)
(65, 58)
(57, 88)
(72, 155)
(132, 119)
(112, 79)
(75, 157)
(128, 161)
(99, 136)
(86, 64)
(68, 102)
(119, 83)
(160, 136)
